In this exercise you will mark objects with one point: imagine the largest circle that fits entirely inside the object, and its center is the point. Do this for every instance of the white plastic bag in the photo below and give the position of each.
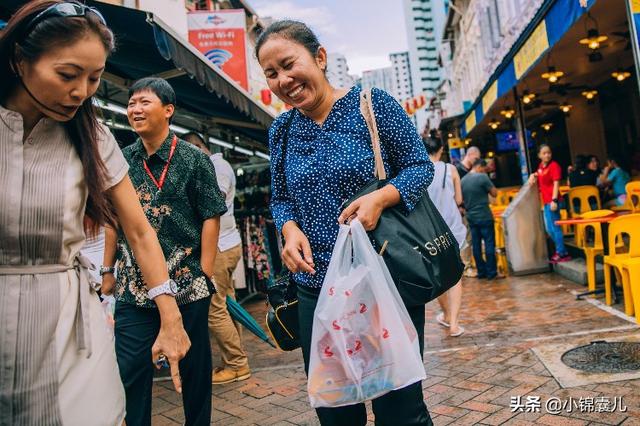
(363, 343)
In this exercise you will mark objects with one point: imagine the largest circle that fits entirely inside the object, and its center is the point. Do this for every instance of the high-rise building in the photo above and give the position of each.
(382, 78)
(401, 75)
(425, 20)
(338, 71)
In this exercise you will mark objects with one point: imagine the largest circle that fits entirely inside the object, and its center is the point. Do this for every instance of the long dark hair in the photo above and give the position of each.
(83, 128)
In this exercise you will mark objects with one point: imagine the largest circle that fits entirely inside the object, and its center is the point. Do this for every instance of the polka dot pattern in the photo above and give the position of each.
(326, 165)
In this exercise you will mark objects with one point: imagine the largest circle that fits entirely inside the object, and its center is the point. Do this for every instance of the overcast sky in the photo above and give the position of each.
(365, 31)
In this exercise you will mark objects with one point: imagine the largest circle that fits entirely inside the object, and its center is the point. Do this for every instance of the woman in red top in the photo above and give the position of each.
(549, 174)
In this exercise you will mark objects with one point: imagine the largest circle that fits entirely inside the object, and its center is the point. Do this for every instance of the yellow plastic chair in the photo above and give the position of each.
(618, 227)
(633, 196)
(592, 247)
(501, 254)
(631, 273)
(583, 195)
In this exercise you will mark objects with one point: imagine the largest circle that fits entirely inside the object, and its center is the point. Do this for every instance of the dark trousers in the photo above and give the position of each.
(401, 407)
(136, 330)
(484, 231)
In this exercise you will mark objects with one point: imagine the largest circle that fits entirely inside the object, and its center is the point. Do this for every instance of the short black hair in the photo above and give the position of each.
(157, 85)
(479, 162)
(432, 144)
(189, 135)
(581, 161)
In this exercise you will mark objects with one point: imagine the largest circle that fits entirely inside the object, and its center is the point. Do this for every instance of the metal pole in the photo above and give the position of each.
(633, 13)
(521, 129)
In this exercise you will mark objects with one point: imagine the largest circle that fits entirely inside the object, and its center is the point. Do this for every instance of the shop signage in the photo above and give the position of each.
(470, 122)
(455, 143)
(531, 50)
(490, 97)
(220, 36)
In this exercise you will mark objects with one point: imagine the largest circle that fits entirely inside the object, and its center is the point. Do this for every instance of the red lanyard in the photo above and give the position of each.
(163, 175)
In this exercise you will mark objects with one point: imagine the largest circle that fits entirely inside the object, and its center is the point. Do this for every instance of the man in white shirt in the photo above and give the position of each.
(235, 362)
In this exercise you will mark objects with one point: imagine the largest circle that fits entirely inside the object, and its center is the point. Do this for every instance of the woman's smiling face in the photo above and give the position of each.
(293, 73)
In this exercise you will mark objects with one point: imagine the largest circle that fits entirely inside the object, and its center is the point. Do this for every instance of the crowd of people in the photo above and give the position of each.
(160, 212)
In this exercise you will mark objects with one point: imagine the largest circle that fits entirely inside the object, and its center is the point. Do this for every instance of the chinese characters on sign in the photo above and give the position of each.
(555, 405)
(220, 36)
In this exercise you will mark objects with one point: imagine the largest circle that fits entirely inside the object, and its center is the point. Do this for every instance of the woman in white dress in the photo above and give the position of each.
(446, 193)
(62, 174)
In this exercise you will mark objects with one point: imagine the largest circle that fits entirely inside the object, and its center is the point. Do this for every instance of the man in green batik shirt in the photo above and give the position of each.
(176, 185)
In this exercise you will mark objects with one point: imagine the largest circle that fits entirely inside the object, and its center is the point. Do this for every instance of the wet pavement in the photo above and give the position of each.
(490, 375)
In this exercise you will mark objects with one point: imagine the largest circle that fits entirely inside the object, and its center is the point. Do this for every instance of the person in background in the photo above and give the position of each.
(235, 364)
(582, 172)
(329, 158)
(446, 194)
(62, 177)
(615, 177)
(463, 167)
(176, 184)
(476, 188)
(593, 163)
(548, 178)
(466, 164)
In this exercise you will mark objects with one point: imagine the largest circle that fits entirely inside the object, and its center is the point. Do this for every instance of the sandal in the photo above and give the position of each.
(441, 321)
(459, 333)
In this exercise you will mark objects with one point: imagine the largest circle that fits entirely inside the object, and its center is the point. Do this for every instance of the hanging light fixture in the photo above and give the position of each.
(508, 113)
(527, 97)
(621, 75)
(593, 40)
(590, 94)
(494, 124)
(552, 75)
(546, 126)
(565, 107)
(450, 135)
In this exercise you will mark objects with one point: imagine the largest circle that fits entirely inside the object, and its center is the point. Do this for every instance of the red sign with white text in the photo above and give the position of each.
(220, 36)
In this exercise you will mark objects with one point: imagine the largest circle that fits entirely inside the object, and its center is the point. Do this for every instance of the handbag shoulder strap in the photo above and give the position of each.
(366, 109)
(444, 179)
(285, 141)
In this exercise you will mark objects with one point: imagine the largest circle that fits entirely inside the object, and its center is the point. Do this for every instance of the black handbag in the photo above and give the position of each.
(419, 249)
(282, 316)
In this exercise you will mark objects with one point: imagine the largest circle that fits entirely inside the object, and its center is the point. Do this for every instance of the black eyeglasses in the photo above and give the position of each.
(67, 10)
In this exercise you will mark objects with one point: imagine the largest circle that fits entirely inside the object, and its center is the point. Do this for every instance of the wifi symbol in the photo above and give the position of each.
(218, 56)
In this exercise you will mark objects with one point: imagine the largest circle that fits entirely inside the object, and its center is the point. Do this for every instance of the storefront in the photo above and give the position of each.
(209, 103)
(570, 82)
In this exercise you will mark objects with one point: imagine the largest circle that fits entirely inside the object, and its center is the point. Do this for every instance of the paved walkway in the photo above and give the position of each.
(482, 377)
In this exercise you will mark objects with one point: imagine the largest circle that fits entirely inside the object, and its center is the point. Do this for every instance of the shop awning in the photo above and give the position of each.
(551, 22)
(146, 46)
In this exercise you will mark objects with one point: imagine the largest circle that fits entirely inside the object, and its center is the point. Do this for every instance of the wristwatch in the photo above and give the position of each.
(106, 270)
(555, 200)
(168, 287)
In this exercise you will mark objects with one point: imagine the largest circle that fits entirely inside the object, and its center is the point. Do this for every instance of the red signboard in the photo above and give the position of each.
(220, 36)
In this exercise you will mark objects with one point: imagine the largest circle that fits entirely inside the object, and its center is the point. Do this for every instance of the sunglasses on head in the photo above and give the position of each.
(66, 10)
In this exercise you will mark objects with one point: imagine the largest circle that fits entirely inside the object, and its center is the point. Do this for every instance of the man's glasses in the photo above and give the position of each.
(67, 10)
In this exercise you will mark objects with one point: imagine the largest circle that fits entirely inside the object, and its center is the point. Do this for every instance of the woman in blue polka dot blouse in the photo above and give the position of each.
(329, 157)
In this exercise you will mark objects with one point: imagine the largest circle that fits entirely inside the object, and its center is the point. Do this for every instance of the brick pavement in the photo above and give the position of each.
(470, 379)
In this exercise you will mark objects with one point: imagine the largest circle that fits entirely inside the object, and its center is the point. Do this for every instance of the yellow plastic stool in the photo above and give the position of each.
(594, 248)
(582, 194)
(631, 273)
(629, 225)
